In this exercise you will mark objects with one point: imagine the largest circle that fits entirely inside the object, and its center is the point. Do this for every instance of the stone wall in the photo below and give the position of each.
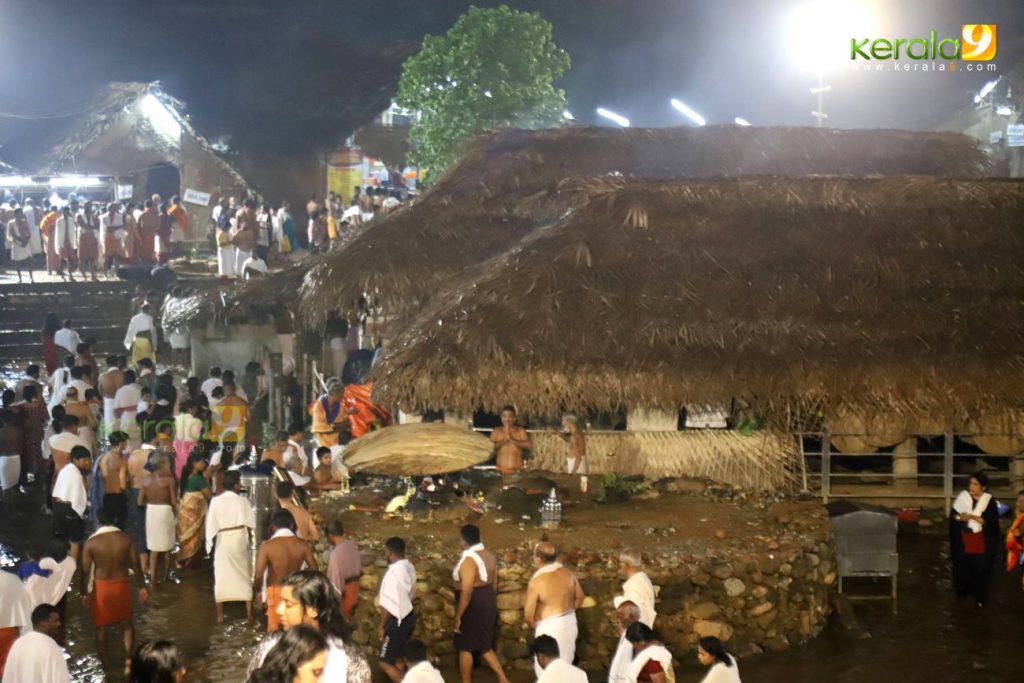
(766, 593)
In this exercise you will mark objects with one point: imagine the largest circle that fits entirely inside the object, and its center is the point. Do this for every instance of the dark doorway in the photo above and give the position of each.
(164, 180)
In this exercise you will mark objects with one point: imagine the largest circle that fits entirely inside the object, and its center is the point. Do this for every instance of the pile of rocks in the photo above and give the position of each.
(761, 592)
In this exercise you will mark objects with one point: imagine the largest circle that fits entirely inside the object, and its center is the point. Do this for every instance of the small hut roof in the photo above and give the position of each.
(54, 145)
(507, 185)
(273, 294)
(788, 293)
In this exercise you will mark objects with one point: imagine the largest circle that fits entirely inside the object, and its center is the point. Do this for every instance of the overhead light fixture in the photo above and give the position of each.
(687, 112)
(741, 121)
(15, 180)
(567, 115)
(75, 181)
(612, 116)
(987, 88)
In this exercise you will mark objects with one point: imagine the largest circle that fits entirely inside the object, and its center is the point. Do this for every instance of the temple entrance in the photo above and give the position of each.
(164, 180)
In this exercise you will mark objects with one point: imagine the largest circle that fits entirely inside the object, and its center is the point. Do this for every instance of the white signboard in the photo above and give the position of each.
(995, 136)
(1015, 135)
(197, 197)
(125, 191)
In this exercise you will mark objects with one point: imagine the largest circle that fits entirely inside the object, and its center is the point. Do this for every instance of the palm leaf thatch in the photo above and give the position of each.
(764, 461)
(508, 184)
(790, 293)
(271, 295)
(417, 450)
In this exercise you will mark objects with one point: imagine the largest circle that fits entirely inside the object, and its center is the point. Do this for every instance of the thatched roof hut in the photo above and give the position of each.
(271, 295)
(507, 185)
(792, 294)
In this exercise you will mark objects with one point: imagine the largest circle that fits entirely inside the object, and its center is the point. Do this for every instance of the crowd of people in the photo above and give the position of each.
(143, 471)
(73, 233)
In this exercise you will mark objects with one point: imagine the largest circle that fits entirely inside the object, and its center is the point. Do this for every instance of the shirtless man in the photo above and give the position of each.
(323, 477)
(109, 381)
(278, 450)
(573, 435)
(111, 554)
(137, 472)
(159, 495)
(305, 528)
(476, 585)
(510, 440)
(114, 470)
(552, 599)
(280, 556)
(61, 444)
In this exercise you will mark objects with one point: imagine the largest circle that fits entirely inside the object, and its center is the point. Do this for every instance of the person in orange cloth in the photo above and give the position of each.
(364, 415)
(1015, 539)
(110, 554)
(178, 213)
(329, 416)
(281, 555)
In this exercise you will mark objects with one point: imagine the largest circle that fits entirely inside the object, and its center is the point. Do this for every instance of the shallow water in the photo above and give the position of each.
(933, 636)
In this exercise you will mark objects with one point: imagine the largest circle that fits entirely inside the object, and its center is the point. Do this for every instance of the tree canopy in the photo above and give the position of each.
(495, 68)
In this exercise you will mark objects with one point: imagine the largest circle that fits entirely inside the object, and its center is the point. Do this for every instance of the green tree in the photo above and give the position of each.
(493, 69)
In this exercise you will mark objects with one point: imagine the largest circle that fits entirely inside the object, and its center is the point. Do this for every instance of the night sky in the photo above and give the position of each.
(299, 74)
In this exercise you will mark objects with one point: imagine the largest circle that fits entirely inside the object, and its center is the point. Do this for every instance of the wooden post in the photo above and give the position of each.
(904, 466)
(826, 465)
(947, 469)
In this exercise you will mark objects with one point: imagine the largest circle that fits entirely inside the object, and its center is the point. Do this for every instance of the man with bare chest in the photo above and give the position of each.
(109, 555)
(552, 598)
(280, 556)
(510, 440)
(573, 435)
(113, 468)
(109, 381)
(159, 495)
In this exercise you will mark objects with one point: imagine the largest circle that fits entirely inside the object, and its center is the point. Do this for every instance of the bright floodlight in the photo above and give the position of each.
(75, 181)
(819, 31)
(741, 121)
(161, 118)
(15, 180)
(987, 88)
(567, 115)
(687, 112)
(612, 116)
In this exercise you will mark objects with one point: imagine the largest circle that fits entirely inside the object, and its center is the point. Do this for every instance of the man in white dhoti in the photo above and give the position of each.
(36, 656)
(638, 588)
(554, 669)
(626, 614)
(159, 495)
(397, 620)
(552, 599)
(228, 523)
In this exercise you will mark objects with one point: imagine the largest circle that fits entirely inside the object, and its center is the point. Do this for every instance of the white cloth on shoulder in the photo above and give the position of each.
(562, 627)
(398, 588)
(657, 653)
(618, 672)
(15, 605)
(36, 657)
(424, 672)
(471, 553)
(48, 590)
(966, 505)
(639, 590)
(720, 673)
(561, 671)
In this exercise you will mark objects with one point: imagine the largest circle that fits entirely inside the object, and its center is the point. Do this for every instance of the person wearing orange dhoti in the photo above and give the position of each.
(329, 417)
(46, 226)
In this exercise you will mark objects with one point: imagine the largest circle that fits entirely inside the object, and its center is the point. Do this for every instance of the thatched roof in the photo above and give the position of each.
(55, 145)
(788, 293)
(274, 294)
(507, 185)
